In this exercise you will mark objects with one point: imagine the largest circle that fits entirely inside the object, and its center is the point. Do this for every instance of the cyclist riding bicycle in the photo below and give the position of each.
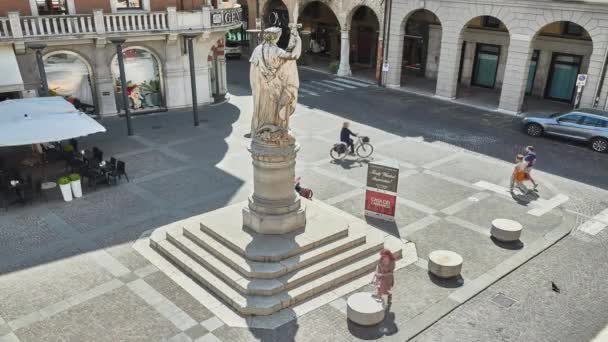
(345, 135)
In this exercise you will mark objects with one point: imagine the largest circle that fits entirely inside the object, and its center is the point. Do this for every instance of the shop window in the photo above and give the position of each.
(144, 85)
(69, 76)
(572, 29)
(128, 4)
(51, 7)
(491, 22)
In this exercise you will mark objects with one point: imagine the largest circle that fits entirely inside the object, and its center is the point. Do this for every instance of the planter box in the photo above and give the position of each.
(76, 188)
(66, 192)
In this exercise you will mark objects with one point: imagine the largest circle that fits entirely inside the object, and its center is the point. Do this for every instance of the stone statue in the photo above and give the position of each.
(274, 84)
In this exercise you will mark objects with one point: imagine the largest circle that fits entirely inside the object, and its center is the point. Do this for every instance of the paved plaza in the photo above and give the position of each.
(69, 272)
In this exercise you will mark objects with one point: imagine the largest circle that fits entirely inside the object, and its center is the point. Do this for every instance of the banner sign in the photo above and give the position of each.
(381, 194)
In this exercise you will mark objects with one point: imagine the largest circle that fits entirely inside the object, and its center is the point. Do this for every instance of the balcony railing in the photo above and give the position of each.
(18, 28)
(58, 25)
(129, 22)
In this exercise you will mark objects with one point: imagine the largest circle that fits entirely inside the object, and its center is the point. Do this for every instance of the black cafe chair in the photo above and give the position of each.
(118, 172)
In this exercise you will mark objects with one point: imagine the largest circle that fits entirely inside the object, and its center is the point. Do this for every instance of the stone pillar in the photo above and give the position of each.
(379, 59)
(595, 72)
(98, 21)
(105, 86)
(467, 63)
(516, 74)
(221, 62)
(175, 78)
(394, 58)
(274, 207)
(201, 69)
(344, 69)
(449, 63)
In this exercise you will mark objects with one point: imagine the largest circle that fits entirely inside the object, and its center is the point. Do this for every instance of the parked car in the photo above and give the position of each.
(232, 49)
(587, 125)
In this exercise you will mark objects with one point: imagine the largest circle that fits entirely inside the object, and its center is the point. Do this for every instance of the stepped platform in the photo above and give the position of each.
(259, 275)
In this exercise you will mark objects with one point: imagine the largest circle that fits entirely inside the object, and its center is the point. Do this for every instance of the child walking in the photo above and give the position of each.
(383, 278)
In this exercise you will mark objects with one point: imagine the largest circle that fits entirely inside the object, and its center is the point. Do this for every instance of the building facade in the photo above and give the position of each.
(80, 60)
(518, 50)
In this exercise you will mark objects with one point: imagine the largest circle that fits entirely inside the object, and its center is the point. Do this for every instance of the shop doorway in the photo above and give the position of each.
(562, 77)
(486, 65)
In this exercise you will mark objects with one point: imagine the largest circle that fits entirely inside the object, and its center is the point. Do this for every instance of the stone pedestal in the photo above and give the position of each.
(362, 308)
(506, 230)
(274, 207)
(445, 264)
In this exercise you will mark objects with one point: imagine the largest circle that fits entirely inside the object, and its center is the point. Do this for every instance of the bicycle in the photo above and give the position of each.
(363, 149)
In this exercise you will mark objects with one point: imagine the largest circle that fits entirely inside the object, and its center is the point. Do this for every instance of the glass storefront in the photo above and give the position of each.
(532, 72)
(562, 77)
(144, 86)
(69, 76)
(486, 65)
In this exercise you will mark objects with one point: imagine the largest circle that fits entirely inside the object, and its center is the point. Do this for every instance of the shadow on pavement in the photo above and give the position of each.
(449, 283)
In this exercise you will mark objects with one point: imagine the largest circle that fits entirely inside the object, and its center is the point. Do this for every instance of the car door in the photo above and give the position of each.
(567, 125)
(592, 127)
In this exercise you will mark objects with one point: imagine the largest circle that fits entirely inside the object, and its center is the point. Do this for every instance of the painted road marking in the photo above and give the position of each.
(595, 224)
(309, 92)
(340, 84)
(549, 205)
(357, 83)
(326, 85)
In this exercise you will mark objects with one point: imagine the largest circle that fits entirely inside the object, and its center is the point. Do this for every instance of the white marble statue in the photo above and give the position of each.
(274, 84)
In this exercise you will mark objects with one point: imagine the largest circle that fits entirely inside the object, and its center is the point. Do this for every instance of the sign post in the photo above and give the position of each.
(581, 80)
(381, 193)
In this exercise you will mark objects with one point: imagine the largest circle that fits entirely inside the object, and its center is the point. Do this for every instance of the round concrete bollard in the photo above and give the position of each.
(364, 309)
(445, 264)
(506, 230)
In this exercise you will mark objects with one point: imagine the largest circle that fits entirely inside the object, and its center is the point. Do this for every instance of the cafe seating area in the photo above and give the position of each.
(32, 173)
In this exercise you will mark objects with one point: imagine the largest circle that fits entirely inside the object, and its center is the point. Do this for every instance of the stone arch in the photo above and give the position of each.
(374, 6)
(433, 9)
(330, 4)
(90, 72)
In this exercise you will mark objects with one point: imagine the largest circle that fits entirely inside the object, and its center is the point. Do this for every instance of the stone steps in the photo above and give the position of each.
(271, 270)
(254, 255)
(267, 287)
(263, 305)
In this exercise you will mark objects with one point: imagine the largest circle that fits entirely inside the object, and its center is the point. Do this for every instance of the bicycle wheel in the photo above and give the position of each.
(365, 150)
(335, 155)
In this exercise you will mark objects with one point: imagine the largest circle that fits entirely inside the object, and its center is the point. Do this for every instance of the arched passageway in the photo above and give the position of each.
(421, 51)
(320, 36)
(277, 15)
(364, 34)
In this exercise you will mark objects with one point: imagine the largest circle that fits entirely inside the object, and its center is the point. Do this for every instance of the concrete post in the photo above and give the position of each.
(100, 27)
(451, 46)
(344, 69)
(516, 74)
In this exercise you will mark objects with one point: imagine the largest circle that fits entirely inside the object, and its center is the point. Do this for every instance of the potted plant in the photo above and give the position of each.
(75, 185)
(66, 189)
(151, 90)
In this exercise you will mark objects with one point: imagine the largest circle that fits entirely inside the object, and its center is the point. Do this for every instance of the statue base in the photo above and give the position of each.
(274, 207)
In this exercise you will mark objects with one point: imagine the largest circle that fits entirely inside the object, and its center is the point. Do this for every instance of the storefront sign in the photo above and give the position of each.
(581, 80)
(381, 194)
(226, 17)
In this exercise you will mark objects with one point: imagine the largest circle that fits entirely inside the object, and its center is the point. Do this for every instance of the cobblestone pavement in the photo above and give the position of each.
(68, 271)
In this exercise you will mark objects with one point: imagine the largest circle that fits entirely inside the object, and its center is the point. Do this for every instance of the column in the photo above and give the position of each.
(394, 58)
(201, 69)
(344, 69)
(105, 88)
(449, 63)
(467, 63)
(379, 59)
(516, 73)
(595, 72)
(175, 78)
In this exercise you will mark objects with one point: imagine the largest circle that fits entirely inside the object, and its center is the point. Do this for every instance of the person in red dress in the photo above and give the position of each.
(383, 277)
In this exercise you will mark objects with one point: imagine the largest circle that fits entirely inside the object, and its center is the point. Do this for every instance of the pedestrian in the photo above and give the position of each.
(519, 174)
(345, 135)
(530, 160)
(383, 277)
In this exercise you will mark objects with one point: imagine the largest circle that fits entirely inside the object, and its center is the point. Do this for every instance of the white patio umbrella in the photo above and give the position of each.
(41, 120)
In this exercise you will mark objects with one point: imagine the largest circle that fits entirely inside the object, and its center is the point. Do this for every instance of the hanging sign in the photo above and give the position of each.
(381, 193)
(581, 80)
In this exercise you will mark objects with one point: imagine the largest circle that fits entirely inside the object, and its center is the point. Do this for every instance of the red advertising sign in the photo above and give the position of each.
(380, 205)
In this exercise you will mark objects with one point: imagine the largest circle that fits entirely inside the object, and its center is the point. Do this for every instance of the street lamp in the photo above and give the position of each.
(190, 37)
(123, 80)
(38, 47)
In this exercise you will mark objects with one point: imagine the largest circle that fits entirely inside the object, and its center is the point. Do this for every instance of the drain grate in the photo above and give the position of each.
(502, 300)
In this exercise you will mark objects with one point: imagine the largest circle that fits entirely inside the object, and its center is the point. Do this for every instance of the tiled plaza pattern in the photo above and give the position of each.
(69, 273)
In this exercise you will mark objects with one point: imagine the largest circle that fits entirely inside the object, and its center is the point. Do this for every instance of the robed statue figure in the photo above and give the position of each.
(274, 84)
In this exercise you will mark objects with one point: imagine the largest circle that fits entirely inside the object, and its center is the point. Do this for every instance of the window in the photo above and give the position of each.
(128, 4)
(50, 7)
(572, 118)
(491, 22)
(593, 122)
(572, 29)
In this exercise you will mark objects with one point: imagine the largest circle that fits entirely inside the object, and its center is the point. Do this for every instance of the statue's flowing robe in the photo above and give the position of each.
(274, 84)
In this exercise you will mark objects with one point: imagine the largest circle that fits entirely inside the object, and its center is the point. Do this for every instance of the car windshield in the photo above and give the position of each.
(556, 114)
